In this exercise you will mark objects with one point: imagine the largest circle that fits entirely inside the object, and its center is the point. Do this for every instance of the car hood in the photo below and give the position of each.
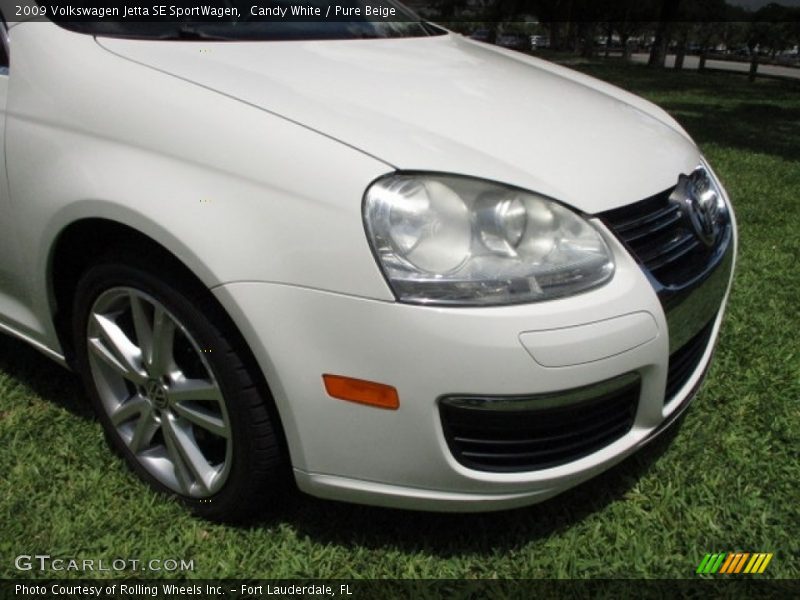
(447, 104)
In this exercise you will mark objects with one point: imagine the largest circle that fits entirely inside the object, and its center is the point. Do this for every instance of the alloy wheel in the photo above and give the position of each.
(159, 393)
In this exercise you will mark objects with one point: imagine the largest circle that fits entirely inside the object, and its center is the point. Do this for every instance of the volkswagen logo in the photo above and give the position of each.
(700, 203)
(157, 392)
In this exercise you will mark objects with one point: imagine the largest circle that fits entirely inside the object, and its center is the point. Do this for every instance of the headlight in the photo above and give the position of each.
(453, 240)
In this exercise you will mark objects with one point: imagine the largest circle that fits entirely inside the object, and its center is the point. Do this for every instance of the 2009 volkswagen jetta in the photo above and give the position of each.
(419, 270)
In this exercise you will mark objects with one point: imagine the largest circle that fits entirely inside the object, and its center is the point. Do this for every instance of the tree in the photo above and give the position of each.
(554, 15)
(682, 31)
(447, 8)
(501, 11)
(764, 31)
(695, 22)
(629, 18)
(590, 15)
(718, 30)
(667, 15)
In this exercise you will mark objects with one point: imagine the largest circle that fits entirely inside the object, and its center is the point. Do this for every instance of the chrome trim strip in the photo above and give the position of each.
(51, 354)
(691, 309)
(542, 401)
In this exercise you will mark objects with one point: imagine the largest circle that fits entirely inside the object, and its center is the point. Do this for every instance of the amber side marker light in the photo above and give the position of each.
(363, 392)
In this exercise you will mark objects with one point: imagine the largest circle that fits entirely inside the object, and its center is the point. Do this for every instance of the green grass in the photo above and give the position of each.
(728, 479)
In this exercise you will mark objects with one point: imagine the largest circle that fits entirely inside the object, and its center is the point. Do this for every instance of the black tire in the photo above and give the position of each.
(257, 475)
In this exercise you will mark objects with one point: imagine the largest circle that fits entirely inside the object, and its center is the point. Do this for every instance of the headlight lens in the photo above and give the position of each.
(454, 240)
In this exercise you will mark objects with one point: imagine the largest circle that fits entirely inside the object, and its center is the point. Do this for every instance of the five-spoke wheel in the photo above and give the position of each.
(159, 391)
(174, 387)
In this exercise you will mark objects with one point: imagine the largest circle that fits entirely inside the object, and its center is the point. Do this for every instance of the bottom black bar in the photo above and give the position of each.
(745, 586)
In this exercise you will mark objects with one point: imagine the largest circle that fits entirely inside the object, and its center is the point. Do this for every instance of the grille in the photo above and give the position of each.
(486, 438)
(683, 362)
(660, 238)
(689, 275)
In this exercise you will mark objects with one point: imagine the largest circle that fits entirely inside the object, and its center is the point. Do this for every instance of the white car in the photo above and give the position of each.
(330, 252)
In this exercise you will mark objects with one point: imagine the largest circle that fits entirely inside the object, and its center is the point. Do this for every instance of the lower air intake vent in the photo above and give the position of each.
(526, 433)
(683, 362)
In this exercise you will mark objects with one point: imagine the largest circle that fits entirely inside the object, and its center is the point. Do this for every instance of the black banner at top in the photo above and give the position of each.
(237, 11)
(485, 11)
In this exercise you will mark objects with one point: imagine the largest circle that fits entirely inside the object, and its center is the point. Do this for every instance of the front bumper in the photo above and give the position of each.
(346, 451)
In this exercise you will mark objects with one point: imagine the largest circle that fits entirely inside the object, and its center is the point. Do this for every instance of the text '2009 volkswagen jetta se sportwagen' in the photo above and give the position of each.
(421, 271)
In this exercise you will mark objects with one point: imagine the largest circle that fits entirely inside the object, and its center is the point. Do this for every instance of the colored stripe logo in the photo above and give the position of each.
(734, 563)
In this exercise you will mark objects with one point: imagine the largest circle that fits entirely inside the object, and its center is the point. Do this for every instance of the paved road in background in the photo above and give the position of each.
(692, 62)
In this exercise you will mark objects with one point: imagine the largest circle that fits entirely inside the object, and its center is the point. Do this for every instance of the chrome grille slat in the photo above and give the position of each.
(658, 235)
(642, 226)
(671, 252)
(674, 217)
(586, 419)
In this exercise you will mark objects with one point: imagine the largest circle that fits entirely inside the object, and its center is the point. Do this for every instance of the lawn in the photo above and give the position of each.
(728, 479)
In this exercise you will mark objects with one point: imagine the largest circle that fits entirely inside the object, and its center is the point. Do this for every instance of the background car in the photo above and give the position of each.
(515, 41)
(481, 35)
(539, 41)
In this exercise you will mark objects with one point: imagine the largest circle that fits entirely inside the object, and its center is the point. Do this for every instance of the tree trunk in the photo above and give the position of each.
(555, 35)
(609, 37)
(753, 66)
(703, 56)
(574, 38)
(587, 33)
(658, 53)
(626, 47)
(681, 53)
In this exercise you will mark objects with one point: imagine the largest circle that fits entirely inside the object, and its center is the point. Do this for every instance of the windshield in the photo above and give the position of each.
(244, 20)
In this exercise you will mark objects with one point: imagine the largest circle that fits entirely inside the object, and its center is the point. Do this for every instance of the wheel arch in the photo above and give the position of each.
(80, 243)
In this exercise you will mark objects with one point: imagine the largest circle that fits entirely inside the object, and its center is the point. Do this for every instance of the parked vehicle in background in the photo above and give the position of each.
(539, 41)
(481, 35)
(789, 57)
(515, 41)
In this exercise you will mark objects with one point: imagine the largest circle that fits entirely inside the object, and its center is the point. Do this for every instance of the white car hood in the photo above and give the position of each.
(447, 104)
